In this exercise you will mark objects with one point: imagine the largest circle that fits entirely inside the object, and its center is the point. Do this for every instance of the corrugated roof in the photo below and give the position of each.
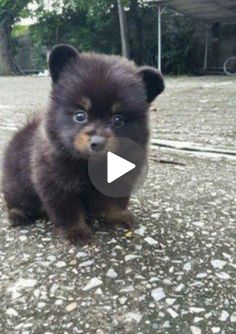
(205, 10)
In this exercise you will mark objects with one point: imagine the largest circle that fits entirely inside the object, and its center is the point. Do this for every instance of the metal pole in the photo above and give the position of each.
(206, 50)
(159, 38)
(123, 30)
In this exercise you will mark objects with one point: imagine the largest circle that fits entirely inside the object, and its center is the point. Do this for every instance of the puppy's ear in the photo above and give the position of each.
(60, 56)
(153, 81)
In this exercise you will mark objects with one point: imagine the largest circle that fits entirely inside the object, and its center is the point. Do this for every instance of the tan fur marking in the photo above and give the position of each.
(112, 143)
(81, 141)
(86, 103)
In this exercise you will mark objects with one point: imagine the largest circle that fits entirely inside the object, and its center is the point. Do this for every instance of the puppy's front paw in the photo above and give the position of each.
(80, 231)
(121, 217)
(18, 217)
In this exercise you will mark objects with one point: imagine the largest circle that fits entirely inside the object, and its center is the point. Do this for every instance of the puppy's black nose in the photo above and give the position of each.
(97, 143)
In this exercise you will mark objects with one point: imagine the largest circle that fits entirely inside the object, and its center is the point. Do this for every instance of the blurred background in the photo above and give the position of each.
(29, 29)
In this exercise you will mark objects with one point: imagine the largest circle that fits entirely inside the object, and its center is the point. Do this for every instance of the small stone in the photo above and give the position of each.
(187, 266)
(223, 275)
(86, 263)
(170, 301)
(166, 324)
(156, 216)
(141, 230)
(81, 254)
(179, 288)
(71, 307)
(41, 305)
(129, 234)
(93, 283)
(98, 291)
(158, 294)
(59, 302)
(133, 316)
(218, 264)
(151, 241)
(201, 275)
(195, 330)
(196, 309)
(233, 317)
(172, 313)
(122, 300)
(198, 224)
(111, 273)
(73, 262)
(128, 288)
(11, 312)
(60, 264)
(131, 257)
(215, 330)
(224, 315)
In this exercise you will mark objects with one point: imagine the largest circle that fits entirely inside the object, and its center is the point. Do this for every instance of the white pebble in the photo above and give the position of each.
(197, 319)
(201, 275)
(196, 309)
(122, 300)
(198, 224)
(111, 273)
(224, 315)
(172, 313)
(151, 241)
(131, 257)
(156, 216)
(71, 307)
(158, 294)
(60, 264)
(215, 330)
(223, 275)
(129, 288)
(195, 330)
(141, 230)
(218, 264)
(170, 301)
(11, 312)
(133, 316)
(86, 263)
(81, 254)
(187, 266)
(93, 283)
(98, 291)
(179, 287)
(233, 317)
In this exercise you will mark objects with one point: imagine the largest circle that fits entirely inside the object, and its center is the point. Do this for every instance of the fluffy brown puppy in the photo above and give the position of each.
(94, 100)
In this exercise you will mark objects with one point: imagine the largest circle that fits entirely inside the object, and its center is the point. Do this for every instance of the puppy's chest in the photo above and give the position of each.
(72, 178)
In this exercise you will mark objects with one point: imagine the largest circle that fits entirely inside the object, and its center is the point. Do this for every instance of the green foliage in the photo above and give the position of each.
(13, 10)
(94, 25)
(19, 31)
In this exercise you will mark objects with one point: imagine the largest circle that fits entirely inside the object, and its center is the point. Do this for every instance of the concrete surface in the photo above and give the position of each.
(176, 274)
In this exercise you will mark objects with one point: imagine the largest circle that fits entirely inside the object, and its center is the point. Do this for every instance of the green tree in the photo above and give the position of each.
(10, 12)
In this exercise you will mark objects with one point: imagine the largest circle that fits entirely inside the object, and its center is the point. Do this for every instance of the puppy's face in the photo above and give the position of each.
(97, 99)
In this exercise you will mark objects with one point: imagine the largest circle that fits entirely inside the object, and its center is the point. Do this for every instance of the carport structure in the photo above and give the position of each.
(207, 12)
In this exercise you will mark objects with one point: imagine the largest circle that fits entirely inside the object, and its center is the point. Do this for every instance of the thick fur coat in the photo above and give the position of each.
(94, 100)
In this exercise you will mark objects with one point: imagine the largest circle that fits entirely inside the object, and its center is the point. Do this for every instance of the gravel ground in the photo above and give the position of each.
(176, 273)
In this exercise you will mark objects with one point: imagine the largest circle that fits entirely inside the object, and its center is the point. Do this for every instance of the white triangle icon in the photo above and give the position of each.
(117, 166)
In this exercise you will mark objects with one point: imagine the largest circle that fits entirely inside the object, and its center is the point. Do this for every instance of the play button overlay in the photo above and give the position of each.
(117, 166)
(120, 171)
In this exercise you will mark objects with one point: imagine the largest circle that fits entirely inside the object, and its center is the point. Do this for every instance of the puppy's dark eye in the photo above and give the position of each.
(117, 121)
(80, 116)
